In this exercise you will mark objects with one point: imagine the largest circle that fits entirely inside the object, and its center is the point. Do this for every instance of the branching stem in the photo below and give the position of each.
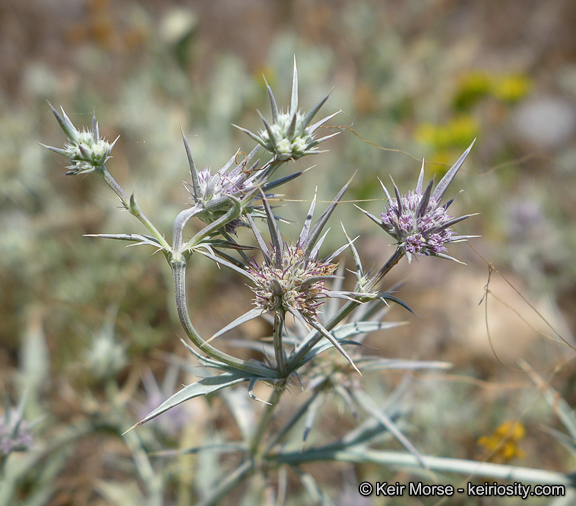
(179, 273)
(132, 207)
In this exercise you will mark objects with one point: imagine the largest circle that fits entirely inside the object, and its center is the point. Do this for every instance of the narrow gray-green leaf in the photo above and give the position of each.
(366, 403)
(203, 387)
(355, 328)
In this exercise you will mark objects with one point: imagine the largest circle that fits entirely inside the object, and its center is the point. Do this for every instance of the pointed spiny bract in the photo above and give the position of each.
(294, 97)
(308, 221)
(418, 221)
(193, 171)
(319, 225)
(449, 176)
(273, 104)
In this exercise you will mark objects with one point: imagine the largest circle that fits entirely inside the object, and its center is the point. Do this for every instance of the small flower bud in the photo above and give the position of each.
(290, 135)
(85, 149)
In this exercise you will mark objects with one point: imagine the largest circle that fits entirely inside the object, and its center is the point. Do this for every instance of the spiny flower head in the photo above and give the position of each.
(291, 279)
(234, 179)
(290, 135)
(85, 149)
(295, 284)
(240, 178)
(418, 221)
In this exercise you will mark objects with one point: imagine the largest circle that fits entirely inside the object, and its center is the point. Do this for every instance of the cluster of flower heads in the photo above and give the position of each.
(418, 221)
(291, 279)
(85, 149)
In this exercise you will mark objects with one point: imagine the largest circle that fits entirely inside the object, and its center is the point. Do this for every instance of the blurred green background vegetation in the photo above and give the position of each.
(413, 80)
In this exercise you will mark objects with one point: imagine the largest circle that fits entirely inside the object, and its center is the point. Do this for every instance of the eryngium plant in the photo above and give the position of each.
(299, 290)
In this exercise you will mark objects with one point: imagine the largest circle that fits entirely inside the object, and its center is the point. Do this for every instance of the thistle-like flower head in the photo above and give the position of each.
(240, 178)
(211, 192)
(236, 179)
(291, 282)
(291, 278)
(418, 221)
(85, 149)
(290, 135)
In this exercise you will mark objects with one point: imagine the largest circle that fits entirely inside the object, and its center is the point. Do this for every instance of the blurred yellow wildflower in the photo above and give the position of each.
(471, 88)
(502, 444)
(458, 132)
(511, 88)
(474, 86)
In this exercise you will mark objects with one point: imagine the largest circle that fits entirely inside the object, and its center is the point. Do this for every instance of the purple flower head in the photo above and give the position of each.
(291, 278)
(418, 221)
(295, 284)
(211, 192)
(240, 178)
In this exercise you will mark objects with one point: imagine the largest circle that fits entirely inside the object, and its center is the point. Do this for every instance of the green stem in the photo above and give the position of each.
(266, 172)
(179, 224)
(233, 213)
(232, 480)
(298, 356)
(279, 319)
(179, 273)
(391, 458)
(266, 418)
(132, 207)
(386, 268)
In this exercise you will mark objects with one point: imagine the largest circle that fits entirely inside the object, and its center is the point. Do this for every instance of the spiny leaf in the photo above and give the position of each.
(203, 387)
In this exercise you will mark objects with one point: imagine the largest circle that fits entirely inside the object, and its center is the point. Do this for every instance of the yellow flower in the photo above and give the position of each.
(511, 88)
(458, 132)
(502, 444)
(472, 87)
